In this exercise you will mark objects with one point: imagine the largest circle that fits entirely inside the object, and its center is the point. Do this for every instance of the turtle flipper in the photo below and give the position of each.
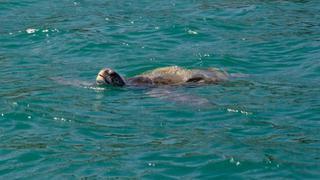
(168, 94)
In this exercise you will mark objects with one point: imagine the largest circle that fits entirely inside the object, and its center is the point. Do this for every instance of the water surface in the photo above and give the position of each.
(258, 127)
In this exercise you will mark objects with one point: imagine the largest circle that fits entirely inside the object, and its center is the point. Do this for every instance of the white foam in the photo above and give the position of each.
(55, 30)
(94, 88)
(31, 30)
(61, 119)
(232, 110)
(192, 32)
(241, 111)
(151, 164)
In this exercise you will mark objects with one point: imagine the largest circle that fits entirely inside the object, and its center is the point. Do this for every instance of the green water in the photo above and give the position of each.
(264, 126)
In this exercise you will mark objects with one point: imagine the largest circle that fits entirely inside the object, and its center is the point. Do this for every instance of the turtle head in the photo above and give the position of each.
(109, 76)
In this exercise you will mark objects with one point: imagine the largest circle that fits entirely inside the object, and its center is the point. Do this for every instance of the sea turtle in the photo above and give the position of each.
(165, 76)
(161, 82)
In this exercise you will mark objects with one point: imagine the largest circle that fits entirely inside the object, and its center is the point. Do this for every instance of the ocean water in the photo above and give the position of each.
(55, 125)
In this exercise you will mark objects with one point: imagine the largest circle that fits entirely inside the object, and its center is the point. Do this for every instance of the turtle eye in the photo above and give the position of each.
(105, 79)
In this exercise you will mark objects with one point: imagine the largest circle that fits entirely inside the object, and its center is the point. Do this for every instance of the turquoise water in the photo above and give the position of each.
(264, 126)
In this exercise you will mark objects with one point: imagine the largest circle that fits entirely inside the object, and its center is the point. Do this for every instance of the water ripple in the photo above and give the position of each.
(57, 124)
